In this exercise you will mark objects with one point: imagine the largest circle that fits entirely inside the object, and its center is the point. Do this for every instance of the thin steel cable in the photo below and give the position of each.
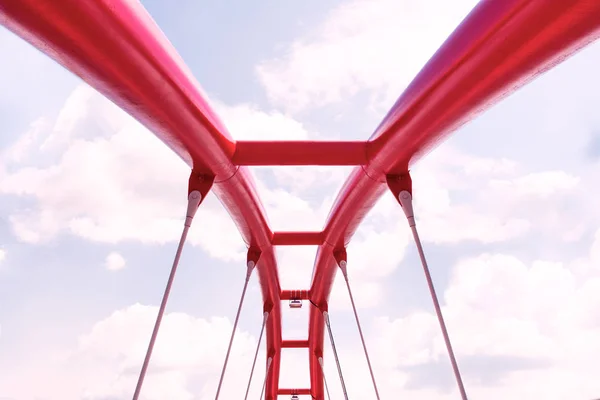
(265, 316)
(269, 361)
(324, 379)
(237, 318)
(159, 317)
(193, 202)
(362, 338)
(406, 202)
(337, 360)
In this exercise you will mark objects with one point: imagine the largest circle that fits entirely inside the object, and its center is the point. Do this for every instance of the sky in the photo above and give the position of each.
(91, 207)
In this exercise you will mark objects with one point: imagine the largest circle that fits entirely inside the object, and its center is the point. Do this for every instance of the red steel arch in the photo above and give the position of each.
(116, 48)
(500, 46)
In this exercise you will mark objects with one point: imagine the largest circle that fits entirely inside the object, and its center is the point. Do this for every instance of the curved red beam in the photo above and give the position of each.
(500, 46)
(117, 48)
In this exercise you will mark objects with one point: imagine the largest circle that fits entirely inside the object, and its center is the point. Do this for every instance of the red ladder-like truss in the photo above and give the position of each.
(116, 48)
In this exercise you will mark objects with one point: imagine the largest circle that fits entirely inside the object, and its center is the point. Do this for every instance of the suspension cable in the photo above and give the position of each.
(342, 265)
(405, 199)
(250, 268)
(265, 316)
(324, 379)
(269, 361)
(194, 199)
(337, 360)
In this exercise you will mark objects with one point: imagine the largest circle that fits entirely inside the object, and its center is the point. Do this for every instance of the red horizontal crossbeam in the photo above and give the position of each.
(304, 152)
(294, 295)
(299, 392)
(297, 238)
(294, 344)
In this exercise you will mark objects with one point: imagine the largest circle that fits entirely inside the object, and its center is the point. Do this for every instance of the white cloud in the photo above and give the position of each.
(114, 261)
(377, 45)
(459, 197)
(248, 122)
(540, 315)
(94, 173)
(539, 185)
(2, 255)
(107, 359)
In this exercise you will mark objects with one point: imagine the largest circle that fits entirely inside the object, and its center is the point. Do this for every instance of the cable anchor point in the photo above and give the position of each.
(252, 258)
(199, 185)
(401, 186)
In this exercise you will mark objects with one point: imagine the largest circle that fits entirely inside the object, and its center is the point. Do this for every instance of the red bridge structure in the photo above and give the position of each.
(116, 47)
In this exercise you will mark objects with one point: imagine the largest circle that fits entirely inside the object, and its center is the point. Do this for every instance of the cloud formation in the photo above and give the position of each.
(114, 261)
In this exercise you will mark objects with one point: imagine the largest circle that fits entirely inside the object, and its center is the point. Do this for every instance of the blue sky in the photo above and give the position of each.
(91, 206)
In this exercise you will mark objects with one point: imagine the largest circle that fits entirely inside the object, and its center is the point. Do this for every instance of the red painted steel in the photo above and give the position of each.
(116, 47)
(501, 45)
(294, 295)
(303, 152)
(297, 238)
(294, 344)
(294, 391)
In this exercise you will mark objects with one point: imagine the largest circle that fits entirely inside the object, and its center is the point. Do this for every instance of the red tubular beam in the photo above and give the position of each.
(294, 295)
(294, 344)
(293, 391)
(501, 45)
(300, 153)
(115, 47)
(297, 238)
